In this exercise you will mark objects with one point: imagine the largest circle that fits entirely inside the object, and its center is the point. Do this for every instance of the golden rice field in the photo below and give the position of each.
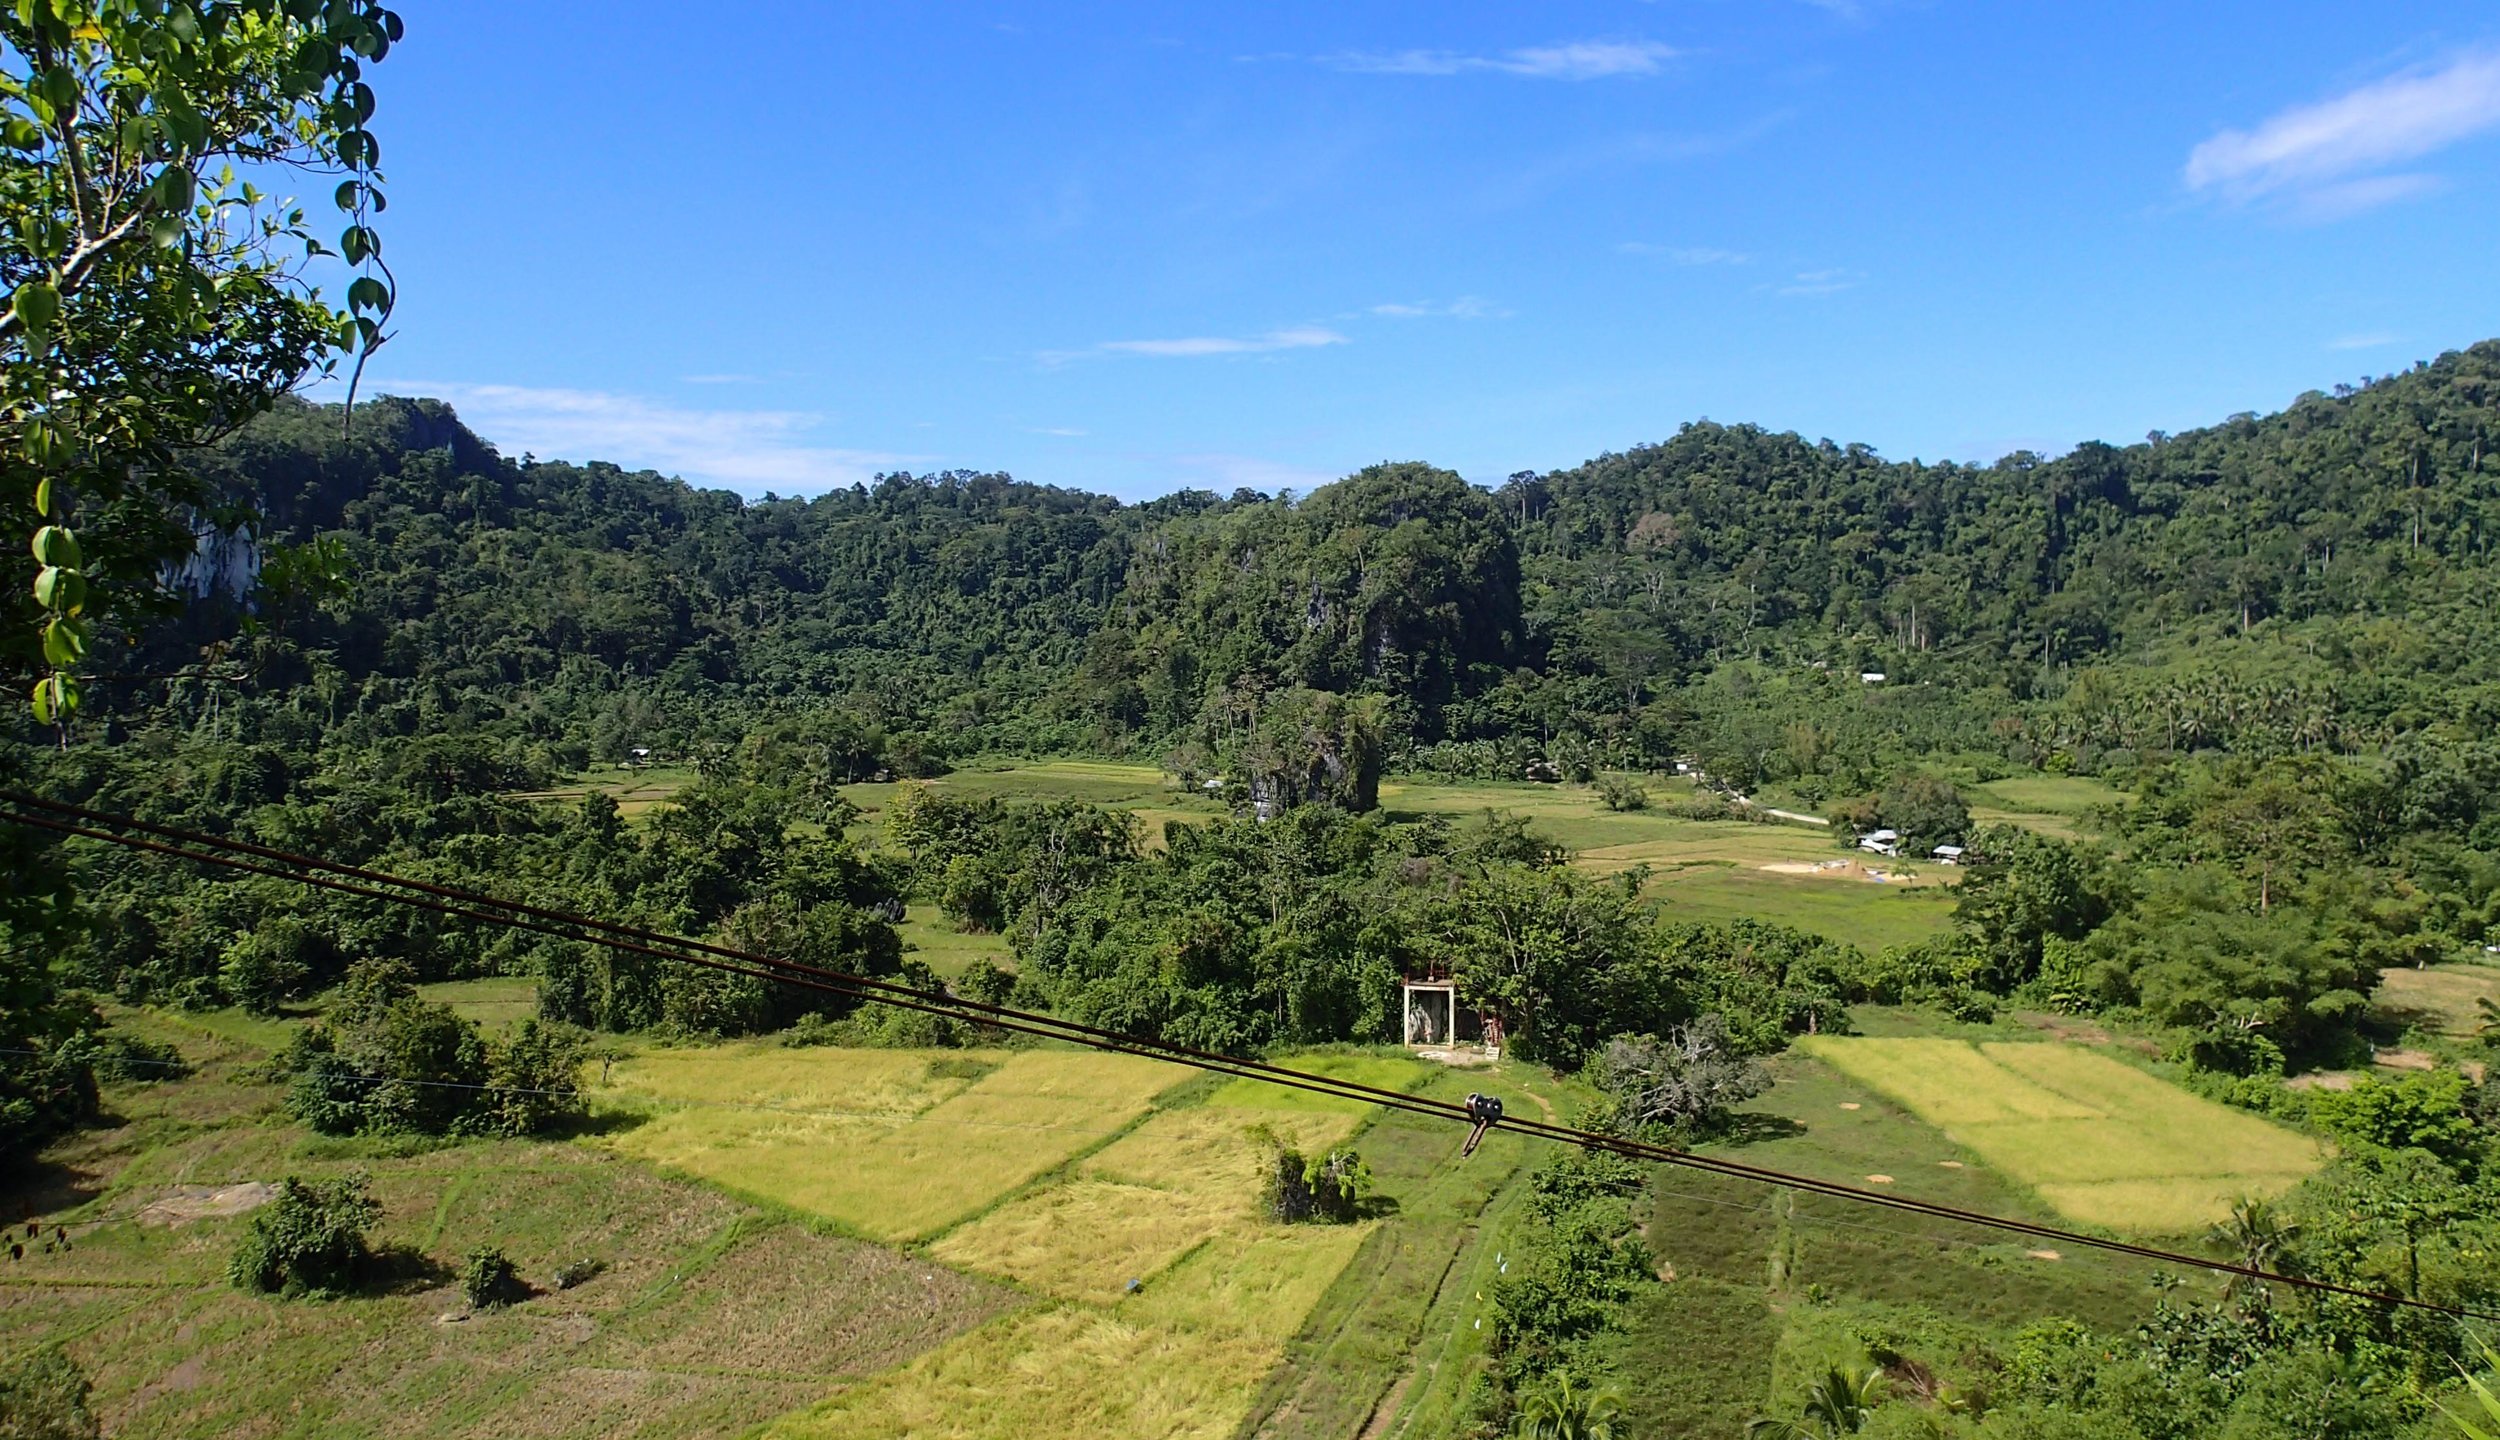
(2102, 1142)
(1073, 1175)
(879, 1140)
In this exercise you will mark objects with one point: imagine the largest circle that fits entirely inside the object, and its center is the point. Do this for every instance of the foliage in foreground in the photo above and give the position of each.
(44, 1396)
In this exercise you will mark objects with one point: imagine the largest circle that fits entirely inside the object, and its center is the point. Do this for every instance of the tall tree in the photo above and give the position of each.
(156, 299)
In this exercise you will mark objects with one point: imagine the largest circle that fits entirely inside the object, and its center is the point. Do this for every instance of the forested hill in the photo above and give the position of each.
(2321, 576)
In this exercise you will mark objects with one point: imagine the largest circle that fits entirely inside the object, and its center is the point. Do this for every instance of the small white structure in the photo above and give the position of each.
(1435, 1021)
(1949, 854)
(1211, 784)
(1870, 677)
(1880, 842)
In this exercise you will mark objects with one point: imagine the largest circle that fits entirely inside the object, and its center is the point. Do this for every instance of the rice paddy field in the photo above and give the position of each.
(2101, 1142)
(1120, 1196)
(895, 1145)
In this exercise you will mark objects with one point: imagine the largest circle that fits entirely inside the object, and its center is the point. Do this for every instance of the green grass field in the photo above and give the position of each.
(1867, 915)
(928, 937)
(637, 792)
(2102, 1142)
(2440, 999)
(712, 1315)
(496, 1003)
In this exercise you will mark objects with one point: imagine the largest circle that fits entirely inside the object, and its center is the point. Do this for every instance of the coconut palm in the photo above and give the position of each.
(1838, 1404)
(2256, 1235)
(1561, 1407)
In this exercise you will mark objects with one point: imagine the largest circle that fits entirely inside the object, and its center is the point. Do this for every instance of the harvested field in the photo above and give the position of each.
(1073, 1371)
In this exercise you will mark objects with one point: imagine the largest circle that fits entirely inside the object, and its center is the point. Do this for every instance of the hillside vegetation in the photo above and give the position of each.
(1685, 764)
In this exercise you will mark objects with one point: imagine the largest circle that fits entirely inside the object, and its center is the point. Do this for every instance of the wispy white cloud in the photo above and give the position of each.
(1298, 337)
(1686, 254)
(723, 379)
(1821, 282)
(2370, 340)
(1064, 432)
(746, 450)
(1465, 307)
(2343, 155)
(1569, 60)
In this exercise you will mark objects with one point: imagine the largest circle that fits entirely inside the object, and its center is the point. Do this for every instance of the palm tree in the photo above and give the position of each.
(1838, 1404)
(1560, 1407)
(2256, 1235)
(2487, 1020)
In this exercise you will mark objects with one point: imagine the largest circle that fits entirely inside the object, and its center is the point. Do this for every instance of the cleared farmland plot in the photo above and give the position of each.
(2441, 999)
(876, 1139)
(2104, 1143)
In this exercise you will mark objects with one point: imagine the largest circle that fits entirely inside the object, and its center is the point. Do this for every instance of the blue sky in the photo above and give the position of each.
(1136, 247)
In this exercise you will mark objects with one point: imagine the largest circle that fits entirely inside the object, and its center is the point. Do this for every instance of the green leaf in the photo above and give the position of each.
(55, 545)
(347, 194)
(63, 642)
(174, 188)
(64, 592)
(368, 294)
(60, 88)
(43, 496)
(37, 305)
(56, 696)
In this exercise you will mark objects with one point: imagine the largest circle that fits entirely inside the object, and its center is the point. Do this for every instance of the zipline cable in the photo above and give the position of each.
(487, 909)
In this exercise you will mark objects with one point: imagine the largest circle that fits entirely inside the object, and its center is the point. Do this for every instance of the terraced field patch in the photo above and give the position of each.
(2102, 1142)
(1178, 1298)
(886, 1142)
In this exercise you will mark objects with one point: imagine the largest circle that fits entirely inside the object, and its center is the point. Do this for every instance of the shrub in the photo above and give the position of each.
(1622, 792)
(490, 1280)
(575, 1273)
(1295, 1188)
(119, 1056)
(44, 1397)
(1704, 805)
(309, 1241)
(533, 1073)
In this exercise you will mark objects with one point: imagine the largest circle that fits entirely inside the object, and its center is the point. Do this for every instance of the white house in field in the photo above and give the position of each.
(1880, 842)
(1949, 854)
